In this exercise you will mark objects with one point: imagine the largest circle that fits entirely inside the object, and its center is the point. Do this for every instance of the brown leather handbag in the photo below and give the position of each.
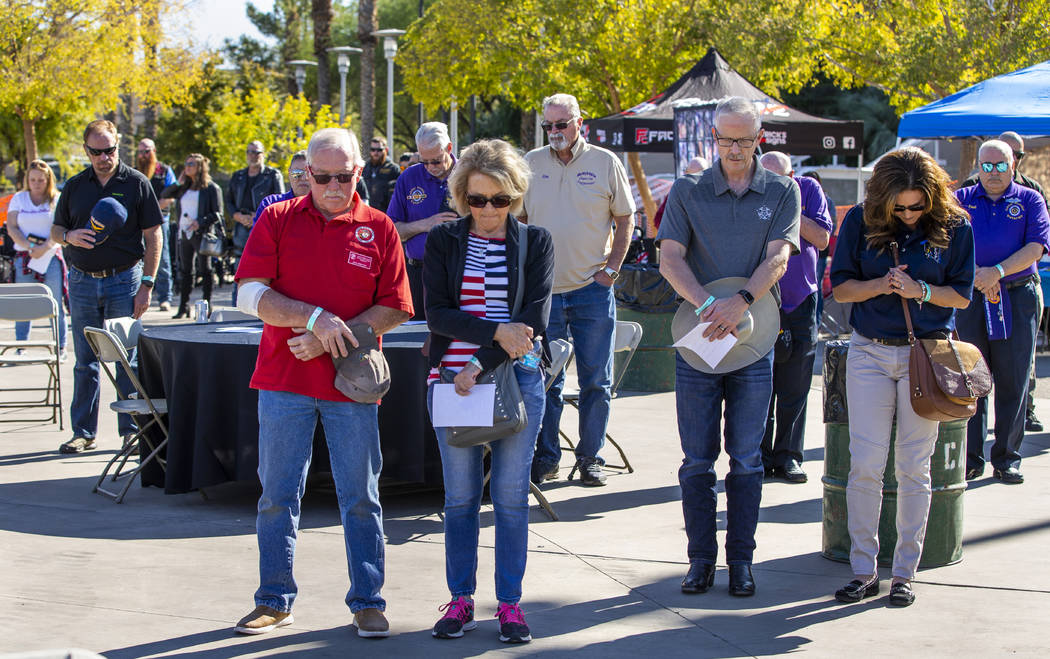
(947, 375)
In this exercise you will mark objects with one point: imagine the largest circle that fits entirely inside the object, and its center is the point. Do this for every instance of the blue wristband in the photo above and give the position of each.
(313, 318)
(706, 304)
(999, 267)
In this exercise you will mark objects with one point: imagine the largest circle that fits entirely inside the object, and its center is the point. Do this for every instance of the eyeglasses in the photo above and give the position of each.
(433, 163)
(914, 208)
(1018, 155)
(479, 201)
(297, 174)
(190, 163)
(744, 142)
(376, 149)
(109, 150)
(325, 179)
(560, 125)
(253, 152)
(1000, 166)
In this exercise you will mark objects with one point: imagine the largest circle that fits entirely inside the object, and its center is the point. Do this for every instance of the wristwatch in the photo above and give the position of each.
(613, 274)
(147, 281)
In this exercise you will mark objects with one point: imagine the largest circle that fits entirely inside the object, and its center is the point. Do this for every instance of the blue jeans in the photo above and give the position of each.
(589, 315)
(464, 474)
(53, 280)
(286, 432)
(91, 302)
(699, 398)
(162, 284)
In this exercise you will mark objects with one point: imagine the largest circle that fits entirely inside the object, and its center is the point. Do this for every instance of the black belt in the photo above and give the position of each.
(904, 341)
(418, 263)
(109, 272)
(1021, 282)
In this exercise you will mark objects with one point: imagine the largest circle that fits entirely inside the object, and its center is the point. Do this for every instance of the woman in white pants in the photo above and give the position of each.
(908, 202)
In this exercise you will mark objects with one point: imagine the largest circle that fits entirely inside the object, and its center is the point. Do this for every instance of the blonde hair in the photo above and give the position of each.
(41, 166)
(499, 161)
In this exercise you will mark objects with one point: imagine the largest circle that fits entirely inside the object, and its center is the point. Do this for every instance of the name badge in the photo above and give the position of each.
(360, 260)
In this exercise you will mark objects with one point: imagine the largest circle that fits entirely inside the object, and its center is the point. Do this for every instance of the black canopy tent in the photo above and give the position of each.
(648, 126)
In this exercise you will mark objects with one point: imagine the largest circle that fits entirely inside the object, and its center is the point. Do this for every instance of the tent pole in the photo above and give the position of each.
(860, 175)
(898, 142)
(538, 134)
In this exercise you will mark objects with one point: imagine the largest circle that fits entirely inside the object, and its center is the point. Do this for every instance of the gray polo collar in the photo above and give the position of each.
(759, 178)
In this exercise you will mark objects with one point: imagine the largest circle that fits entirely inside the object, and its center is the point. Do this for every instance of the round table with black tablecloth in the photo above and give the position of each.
(203, 371)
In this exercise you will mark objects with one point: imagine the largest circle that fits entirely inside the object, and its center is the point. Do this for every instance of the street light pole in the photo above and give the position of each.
(300, 71)
(390, 52)
(344, 53)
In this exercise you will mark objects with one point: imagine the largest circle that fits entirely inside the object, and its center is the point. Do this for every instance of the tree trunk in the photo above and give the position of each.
(967, 157)
(291, 41)
(367, 24)
(322, 15)
(528, 130)
(643, 187)
(29, 135)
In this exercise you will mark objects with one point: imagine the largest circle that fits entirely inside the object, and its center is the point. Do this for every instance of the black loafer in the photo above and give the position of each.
(1010, 475)
(791, 472)
(975, 473)
(741, 581)
(857, 590)
(901, 594)
(699, 578)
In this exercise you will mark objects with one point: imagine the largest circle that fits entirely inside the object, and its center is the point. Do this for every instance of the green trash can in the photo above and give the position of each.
(943, 543)
(652, 367)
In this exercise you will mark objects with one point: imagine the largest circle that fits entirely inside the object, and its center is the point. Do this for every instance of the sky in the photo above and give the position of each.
(215, 20)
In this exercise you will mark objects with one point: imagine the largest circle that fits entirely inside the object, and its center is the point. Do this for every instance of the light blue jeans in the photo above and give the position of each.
(464, 474)
(53, 280)
(286, 433)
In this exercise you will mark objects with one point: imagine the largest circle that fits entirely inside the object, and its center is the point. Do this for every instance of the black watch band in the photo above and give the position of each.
(748, 297)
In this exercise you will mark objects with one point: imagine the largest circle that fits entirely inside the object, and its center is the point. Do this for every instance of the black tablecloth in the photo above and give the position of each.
(213, 422)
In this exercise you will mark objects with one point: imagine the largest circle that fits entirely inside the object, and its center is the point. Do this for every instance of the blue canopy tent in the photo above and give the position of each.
(1018, 101)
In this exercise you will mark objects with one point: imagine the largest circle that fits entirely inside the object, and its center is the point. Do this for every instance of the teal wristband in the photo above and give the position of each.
(475, 362)
(706, 304)
(313, 318)
(1002, 273)
(149, 278)
(928, 290)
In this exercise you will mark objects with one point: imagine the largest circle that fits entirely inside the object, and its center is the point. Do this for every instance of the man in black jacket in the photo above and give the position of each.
(380, 174)
(247, 188)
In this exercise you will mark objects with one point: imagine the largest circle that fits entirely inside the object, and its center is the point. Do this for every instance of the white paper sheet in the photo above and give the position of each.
(41, 264)
(711, 352)
(238, 330)
(474, 409)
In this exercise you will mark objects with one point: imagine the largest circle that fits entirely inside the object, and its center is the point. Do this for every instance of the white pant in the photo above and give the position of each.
(876, 387)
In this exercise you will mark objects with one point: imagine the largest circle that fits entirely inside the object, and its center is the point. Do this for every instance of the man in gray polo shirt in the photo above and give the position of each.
(579, 192)
(736, 219)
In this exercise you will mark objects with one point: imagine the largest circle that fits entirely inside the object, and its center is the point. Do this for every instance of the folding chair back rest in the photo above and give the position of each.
(628, 335)
(28, 307)
(106, 346)
(561, 353)
(126, 329)
(26, 288)
(226, 314)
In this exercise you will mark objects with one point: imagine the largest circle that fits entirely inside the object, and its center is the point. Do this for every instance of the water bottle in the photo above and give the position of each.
(202, 311)
(531, 360)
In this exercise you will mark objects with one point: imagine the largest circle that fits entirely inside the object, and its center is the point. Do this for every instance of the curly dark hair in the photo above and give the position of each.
(906, 169)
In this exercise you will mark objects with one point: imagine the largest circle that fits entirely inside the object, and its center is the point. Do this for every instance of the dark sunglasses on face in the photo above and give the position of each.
(109, 150)
(374, 149)
(560, 125)
(997, 166)
(325, 179)
(915, 208)
(433, 163)
(479, 201)
(297, 174)
(191, 163)
(253, 152)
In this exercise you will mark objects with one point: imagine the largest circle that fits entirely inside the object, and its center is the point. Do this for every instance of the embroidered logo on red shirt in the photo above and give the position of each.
(364, 235)
(360, 260)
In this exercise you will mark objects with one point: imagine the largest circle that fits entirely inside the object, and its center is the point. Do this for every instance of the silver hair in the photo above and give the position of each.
(1012, 136)
(777, 162)
(432, 135)
(299, 155)
(998, 145)
(741, 107)
(567, 101)
(335, 138)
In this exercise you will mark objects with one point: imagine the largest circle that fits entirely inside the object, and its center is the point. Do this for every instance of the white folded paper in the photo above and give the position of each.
(41, 264)
(711, 352)
(474, 409)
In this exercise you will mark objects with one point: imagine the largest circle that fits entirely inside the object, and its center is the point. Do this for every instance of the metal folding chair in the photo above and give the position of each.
(34, 307)
(34, 288)
(147, 412)
(226, 314)
(628, 336)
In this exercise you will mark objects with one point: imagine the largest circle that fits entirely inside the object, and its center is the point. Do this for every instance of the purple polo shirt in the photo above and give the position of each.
(800, 279)
(418, 194)
(1002, 227)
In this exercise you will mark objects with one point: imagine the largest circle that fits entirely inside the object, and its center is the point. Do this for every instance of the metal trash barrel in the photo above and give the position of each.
(943, 543)
(644, 296)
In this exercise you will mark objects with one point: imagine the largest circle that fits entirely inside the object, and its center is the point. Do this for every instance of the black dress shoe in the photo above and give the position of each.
(975, 473)
(699, 578)
(857, 590)
(901, 594)
(1032, 423)
(1010, 475)
(791, 472)
(741, 581)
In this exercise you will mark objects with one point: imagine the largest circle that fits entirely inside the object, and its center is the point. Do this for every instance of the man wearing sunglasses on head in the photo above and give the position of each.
(1010, 230)
(380, 174)
(421, 201)
(580, 193)
(113, 262)
(1031, 422)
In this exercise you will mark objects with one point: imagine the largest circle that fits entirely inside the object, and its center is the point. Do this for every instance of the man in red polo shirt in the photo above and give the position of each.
(312, 266)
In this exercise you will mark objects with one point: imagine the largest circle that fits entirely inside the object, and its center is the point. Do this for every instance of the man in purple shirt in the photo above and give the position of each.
(1010, 230)
(795, 349)
(421, 201)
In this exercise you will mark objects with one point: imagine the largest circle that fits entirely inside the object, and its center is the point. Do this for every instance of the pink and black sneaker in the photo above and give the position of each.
(458, 618)
(512, 627)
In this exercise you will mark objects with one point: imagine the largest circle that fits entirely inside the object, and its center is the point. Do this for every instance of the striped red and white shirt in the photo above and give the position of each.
(482, 294)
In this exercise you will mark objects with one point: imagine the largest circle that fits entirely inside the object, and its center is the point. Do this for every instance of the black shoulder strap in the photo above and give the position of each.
(523, 252)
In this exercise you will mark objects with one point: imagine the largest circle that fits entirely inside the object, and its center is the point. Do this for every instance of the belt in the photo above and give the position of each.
(418, 263)
(1021, 282)
(109, 272)
(904, 341)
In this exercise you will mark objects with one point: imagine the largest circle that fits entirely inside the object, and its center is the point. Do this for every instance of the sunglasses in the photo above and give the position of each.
(253, 152)
(744, 142)
(190, 163)
(479, 201)
(325, 179)
(432, 163)
(297, 174)
(560, 125)
(915, 208)
(109, 150)
(375, 149)
(997, 166)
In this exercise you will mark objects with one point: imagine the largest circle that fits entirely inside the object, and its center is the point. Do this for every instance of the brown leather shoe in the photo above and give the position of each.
(262, 620)
(371, 623)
